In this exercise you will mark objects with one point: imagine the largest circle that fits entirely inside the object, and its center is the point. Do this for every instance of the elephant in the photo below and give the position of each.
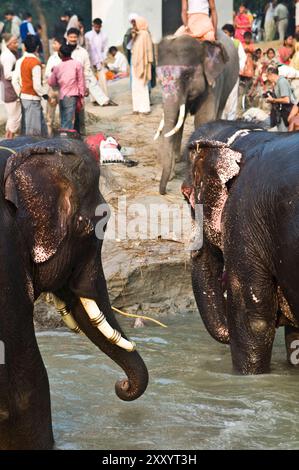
(196, 77)
(247, 180)
(50, 243)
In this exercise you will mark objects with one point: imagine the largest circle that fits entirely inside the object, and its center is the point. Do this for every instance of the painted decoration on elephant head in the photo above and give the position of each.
(214, 164)
(169, 76)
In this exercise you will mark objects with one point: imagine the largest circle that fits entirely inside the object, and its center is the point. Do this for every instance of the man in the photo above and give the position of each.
(26, 27)
(69, 77)
(281, 16)
(199, 19)
(53, 93)
(92, 86)
(11, 100)
(231, 107)
(120, 64)
(27, 82)
(128, 40)
(12, 24)
(270, 26)
(283, 100)
(97, 46)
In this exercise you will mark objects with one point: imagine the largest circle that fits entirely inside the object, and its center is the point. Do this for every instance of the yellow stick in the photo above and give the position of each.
(131, 315)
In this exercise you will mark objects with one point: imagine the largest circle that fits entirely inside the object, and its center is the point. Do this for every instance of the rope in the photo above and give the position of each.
(9, 150)
(131, 315)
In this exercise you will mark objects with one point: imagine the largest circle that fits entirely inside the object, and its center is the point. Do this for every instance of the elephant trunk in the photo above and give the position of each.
(174, 118)
(207, 272)
(91, 309)
(135, 384)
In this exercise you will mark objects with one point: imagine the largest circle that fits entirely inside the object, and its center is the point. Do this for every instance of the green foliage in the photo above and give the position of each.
(52, 9)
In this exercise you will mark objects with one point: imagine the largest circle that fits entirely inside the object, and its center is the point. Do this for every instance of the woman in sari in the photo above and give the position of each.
(142, 60)
(242, 23)
(286, 51)
(197, 21)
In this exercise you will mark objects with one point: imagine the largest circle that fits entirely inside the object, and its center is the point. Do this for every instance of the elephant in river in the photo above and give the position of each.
(49, 200)
(248, 182)
(196, 77)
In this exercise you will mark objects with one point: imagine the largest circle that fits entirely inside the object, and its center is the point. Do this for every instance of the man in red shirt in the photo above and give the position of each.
(69, 77)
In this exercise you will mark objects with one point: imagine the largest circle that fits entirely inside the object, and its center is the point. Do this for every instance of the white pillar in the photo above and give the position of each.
(225, 12)
(115, 13)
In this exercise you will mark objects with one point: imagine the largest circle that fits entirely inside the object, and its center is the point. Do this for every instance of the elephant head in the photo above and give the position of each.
(213, 167)
(191, 76)
(49, 204)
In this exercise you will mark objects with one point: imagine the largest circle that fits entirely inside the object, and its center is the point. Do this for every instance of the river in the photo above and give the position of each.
(193, 400)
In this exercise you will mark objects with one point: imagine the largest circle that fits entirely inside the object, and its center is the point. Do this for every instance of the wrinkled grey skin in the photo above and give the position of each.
(255, 243)
(48, 201)
(206, 102)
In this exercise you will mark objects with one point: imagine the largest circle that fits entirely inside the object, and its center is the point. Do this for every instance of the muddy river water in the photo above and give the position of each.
(193, 400)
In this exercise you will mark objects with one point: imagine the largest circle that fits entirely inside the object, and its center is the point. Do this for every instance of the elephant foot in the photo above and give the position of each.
(292, 345)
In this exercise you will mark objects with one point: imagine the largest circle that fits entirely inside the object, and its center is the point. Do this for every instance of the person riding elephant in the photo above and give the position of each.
(197, 21)
(53, 222)
(196, 77)
(247, 180)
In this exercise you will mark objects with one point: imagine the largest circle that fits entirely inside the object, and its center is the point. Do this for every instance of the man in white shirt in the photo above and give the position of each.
(53, 94)
(11, 100)
(97, 46)
(281, 16)
(120, 64)
(27, 82)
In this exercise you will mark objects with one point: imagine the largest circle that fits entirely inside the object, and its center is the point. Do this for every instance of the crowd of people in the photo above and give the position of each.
(264, 74)
(82, 62)
(80, 65)
(275, 21)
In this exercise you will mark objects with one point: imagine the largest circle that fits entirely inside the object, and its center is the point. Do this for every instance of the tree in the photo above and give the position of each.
(36, 4)
(47, 12)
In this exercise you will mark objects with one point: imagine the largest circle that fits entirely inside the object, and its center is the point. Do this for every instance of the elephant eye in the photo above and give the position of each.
(84, 225)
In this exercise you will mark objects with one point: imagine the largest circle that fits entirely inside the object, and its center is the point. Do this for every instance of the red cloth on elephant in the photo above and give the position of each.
(94, 142)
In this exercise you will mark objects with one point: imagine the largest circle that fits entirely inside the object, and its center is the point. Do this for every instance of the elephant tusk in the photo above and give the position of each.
(179, 123)
(99, 321)
(66, 316)
(160, 128)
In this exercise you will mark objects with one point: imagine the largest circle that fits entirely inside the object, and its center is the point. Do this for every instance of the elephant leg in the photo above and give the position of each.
(252, 307)
(291, 335)
(207, 111)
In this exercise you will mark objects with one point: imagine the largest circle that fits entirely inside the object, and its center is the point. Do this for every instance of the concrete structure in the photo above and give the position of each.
(163, 15)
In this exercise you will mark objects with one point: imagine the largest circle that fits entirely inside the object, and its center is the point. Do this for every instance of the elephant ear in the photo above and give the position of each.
(214, 61)
(43, 201)
(214, 165)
